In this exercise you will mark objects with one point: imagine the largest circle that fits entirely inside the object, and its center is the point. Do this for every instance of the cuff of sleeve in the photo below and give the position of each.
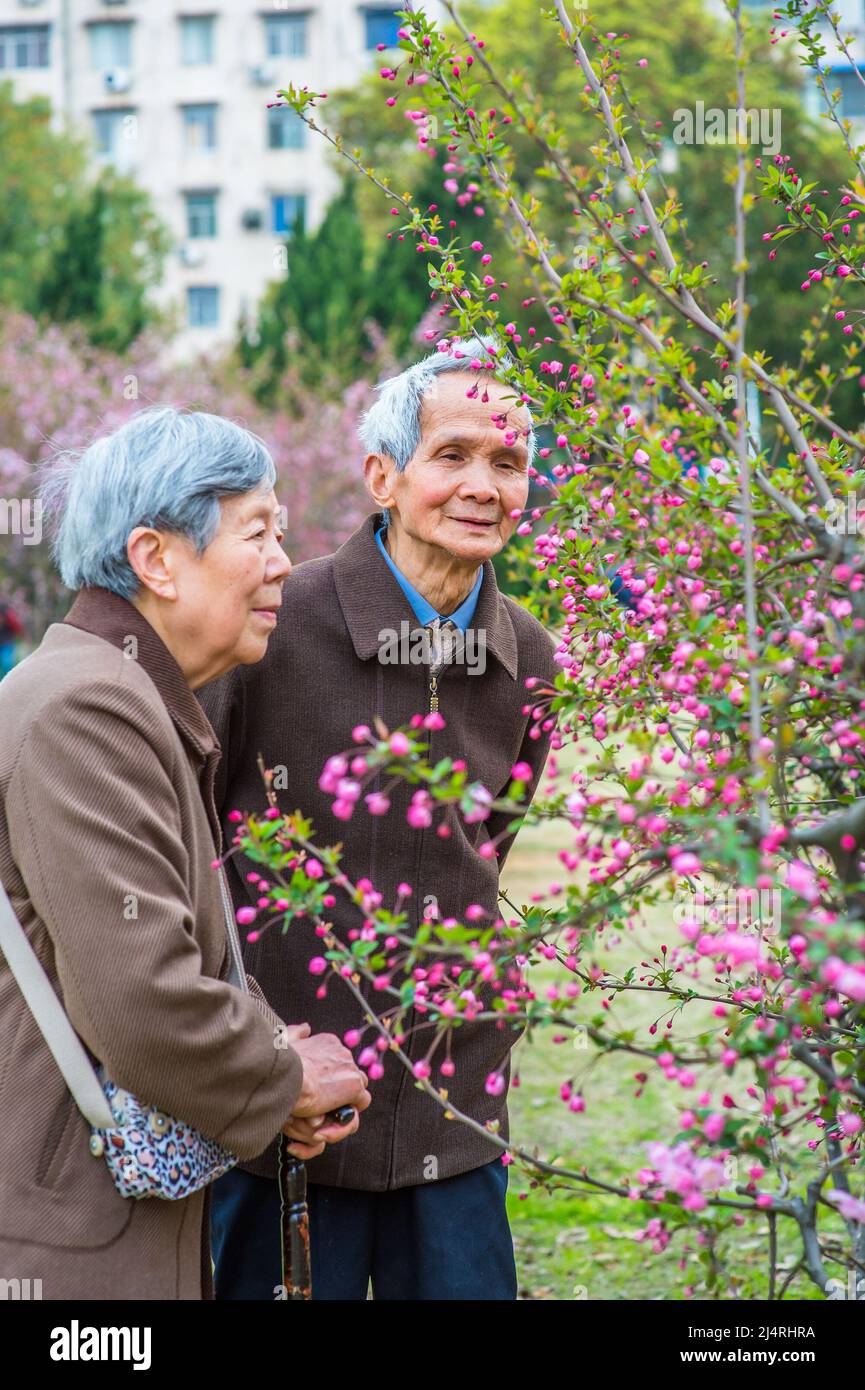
(268, 1107)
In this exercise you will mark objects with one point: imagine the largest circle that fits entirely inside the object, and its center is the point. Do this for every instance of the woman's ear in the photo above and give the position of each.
(149, 554)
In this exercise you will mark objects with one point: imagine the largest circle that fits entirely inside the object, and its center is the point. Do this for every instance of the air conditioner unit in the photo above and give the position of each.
(191, 253)
(29, 4)
(117, 79)
(262, 75)
(252, 219)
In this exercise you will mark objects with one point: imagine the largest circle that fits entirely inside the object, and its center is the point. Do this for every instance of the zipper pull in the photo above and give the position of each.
(433, 695)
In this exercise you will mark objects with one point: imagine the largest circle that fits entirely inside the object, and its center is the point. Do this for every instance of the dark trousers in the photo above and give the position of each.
(444, 1240)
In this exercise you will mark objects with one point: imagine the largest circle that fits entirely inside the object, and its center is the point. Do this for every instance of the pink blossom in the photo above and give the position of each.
(800, 878)
(851, 1208)
(685, 863)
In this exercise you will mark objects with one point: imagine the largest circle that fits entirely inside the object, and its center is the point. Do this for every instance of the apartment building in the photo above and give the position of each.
(175, 93)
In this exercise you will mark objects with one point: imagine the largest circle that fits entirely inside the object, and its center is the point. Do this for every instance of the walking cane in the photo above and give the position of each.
(294, 1214)
(291, 1171)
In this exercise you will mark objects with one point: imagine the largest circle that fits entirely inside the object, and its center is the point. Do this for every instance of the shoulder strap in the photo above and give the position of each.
(64, 1043)
(52, 1019)
(236, 971)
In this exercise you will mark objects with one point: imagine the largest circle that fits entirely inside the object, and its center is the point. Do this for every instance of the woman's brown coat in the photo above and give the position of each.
(106, 842)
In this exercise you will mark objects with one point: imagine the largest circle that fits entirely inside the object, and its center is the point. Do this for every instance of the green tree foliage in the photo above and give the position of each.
(71, 249)
(686, 62)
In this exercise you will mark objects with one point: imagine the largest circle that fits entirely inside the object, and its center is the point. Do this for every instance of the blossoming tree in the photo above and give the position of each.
(710, 730)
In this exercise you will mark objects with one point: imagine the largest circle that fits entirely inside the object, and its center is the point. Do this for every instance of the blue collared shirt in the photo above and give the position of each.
(424, 612)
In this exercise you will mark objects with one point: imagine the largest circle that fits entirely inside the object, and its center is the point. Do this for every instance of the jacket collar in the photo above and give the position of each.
(371, 599)
(115, 620)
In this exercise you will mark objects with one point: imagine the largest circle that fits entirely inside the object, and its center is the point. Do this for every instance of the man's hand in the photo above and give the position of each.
(330, 1079)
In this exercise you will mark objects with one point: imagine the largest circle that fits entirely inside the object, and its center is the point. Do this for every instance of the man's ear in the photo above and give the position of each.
(378, 469)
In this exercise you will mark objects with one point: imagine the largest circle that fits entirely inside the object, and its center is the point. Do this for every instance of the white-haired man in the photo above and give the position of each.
(413, 1203)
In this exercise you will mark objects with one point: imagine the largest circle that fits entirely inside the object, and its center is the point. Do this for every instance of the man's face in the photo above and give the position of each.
(464, 480)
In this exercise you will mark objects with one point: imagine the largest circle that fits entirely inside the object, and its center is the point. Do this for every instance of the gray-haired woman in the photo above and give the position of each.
(170, 530)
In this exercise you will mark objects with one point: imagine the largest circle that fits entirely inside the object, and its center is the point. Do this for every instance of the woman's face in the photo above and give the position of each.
(219, 608)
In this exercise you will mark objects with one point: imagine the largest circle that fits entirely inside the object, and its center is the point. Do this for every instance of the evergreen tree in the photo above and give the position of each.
(71, 249)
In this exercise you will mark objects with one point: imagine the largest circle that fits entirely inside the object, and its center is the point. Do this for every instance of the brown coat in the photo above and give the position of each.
(320, 678)
(105, 851)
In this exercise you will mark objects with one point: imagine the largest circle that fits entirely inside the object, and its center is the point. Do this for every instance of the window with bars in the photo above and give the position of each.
(199, 126)
(196, 40)
(285, 129)
(382, 26)
(110, 45)
(285, 35)
(852, 103)
(202, 306)
(114, 131)
(200, 215)
(287, 212)
(25, 47)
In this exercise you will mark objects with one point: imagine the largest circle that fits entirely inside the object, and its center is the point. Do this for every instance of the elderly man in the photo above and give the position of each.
(413, 1202)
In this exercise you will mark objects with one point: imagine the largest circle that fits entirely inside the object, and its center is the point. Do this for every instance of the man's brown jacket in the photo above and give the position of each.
(321, 677)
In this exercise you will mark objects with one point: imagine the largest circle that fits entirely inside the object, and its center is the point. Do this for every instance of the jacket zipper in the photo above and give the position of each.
(436, 667)
(433, 705)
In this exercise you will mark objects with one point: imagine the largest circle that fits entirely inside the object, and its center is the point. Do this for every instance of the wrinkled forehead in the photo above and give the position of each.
(446, 403)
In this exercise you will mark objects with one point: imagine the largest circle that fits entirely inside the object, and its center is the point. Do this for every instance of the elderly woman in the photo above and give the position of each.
(413, 1203)
(169, 528)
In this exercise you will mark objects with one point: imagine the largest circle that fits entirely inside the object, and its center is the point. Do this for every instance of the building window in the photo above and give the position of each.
(199, 127)
(285, 35)
(25, 48)
(852, 103)
(115, 134)
(381, 27)
(110, 45)
(287, 212)
(202, 306)
(196, 40)
(200, 215)
(285, 129)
